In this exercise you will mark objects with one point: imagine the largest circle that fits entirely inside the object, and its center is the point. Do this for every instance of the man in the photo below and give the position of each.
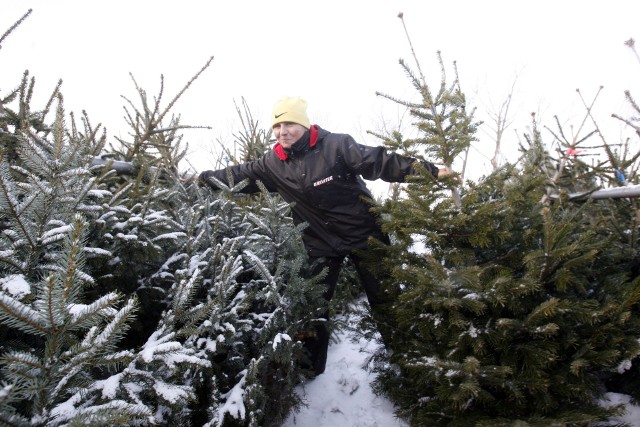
(321, 173)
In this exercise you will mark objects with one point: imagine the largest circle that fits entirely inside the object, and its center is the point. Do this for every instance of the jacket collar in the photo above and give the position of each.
(313, 138)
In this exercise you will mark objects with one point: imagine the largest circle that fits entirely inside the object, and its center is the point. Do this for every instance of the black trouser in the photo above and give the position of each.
(319, 345)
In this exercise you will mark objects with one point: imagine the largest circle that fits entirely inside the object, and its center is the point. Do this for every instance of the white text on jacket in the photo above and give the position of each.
(323, 181)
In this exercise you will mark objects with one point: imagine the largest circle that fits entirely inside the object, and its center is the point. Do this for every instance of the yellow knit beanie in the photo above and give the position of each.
(290, 109)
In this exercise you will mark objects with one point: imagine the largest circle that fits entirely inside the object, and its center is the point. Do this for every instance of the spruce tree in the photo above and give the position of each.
(130, 297)
(274, 298)
(520, 306)
(53, 335)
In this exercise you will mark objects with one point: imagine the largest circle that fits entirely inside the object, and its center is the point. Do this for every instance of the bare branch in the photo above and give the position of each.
(14, 26)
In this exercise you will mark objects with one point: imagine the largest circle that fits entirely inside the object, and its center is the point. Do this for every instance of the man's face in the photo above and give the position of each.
(288, 133)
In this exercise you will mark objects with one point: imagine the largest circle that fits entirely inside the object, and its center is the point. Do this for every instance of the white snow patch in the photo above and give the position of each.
(234, 405)
(632, 412)
(157, 343)
(342, 395)
(110, 386)
(56, 231)
(96, 251)
(15, 285)
(127, 236)
(170, 392)
(624, 366)
(170, 236)
(4, 391)
(279, 338)
(99, 193)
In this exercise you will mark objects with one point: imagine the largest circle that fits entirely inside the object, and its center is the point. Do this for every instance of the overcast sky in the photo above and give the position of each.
(336, 54)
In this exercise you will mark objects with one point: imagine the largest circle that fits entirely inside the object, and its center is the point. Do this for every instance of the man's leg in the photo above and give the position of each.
(318, 346)
(379, 301)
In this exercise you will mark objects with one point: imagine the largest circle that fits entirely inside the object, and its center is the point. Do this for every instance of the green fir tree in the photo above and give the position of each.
(130, 297)
(515, 304)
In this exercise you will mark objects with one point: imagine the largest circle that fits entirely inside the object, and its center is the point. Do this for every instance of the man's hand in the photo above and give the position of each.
(444, 171)
(188, 179)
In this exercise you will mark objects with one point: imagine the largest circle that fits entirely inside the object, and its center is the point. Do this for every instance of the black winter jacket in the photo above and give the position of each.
(321, 174)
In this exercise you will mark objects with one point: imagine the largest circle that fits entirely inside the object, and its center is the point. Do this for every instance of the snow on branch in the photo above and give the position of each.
(14, 314)
(234, 404)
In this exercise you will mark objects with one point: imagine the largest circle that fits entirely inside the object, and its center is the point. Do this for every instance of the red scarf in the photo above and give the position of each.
(313, 138)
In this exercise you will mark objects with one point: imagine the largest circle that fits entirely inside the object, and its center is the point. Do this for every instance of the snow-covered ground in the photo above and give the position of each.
(342, 396)
(632, 415)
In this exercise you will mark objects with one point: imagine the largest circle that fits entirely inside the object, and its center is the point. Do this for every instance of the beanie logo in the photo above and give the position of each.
(292, 110)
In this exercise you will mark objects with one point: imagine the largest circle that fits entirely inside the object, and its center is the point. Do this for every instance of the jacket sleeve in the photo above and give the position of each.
(376, 163)
(252, 171)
